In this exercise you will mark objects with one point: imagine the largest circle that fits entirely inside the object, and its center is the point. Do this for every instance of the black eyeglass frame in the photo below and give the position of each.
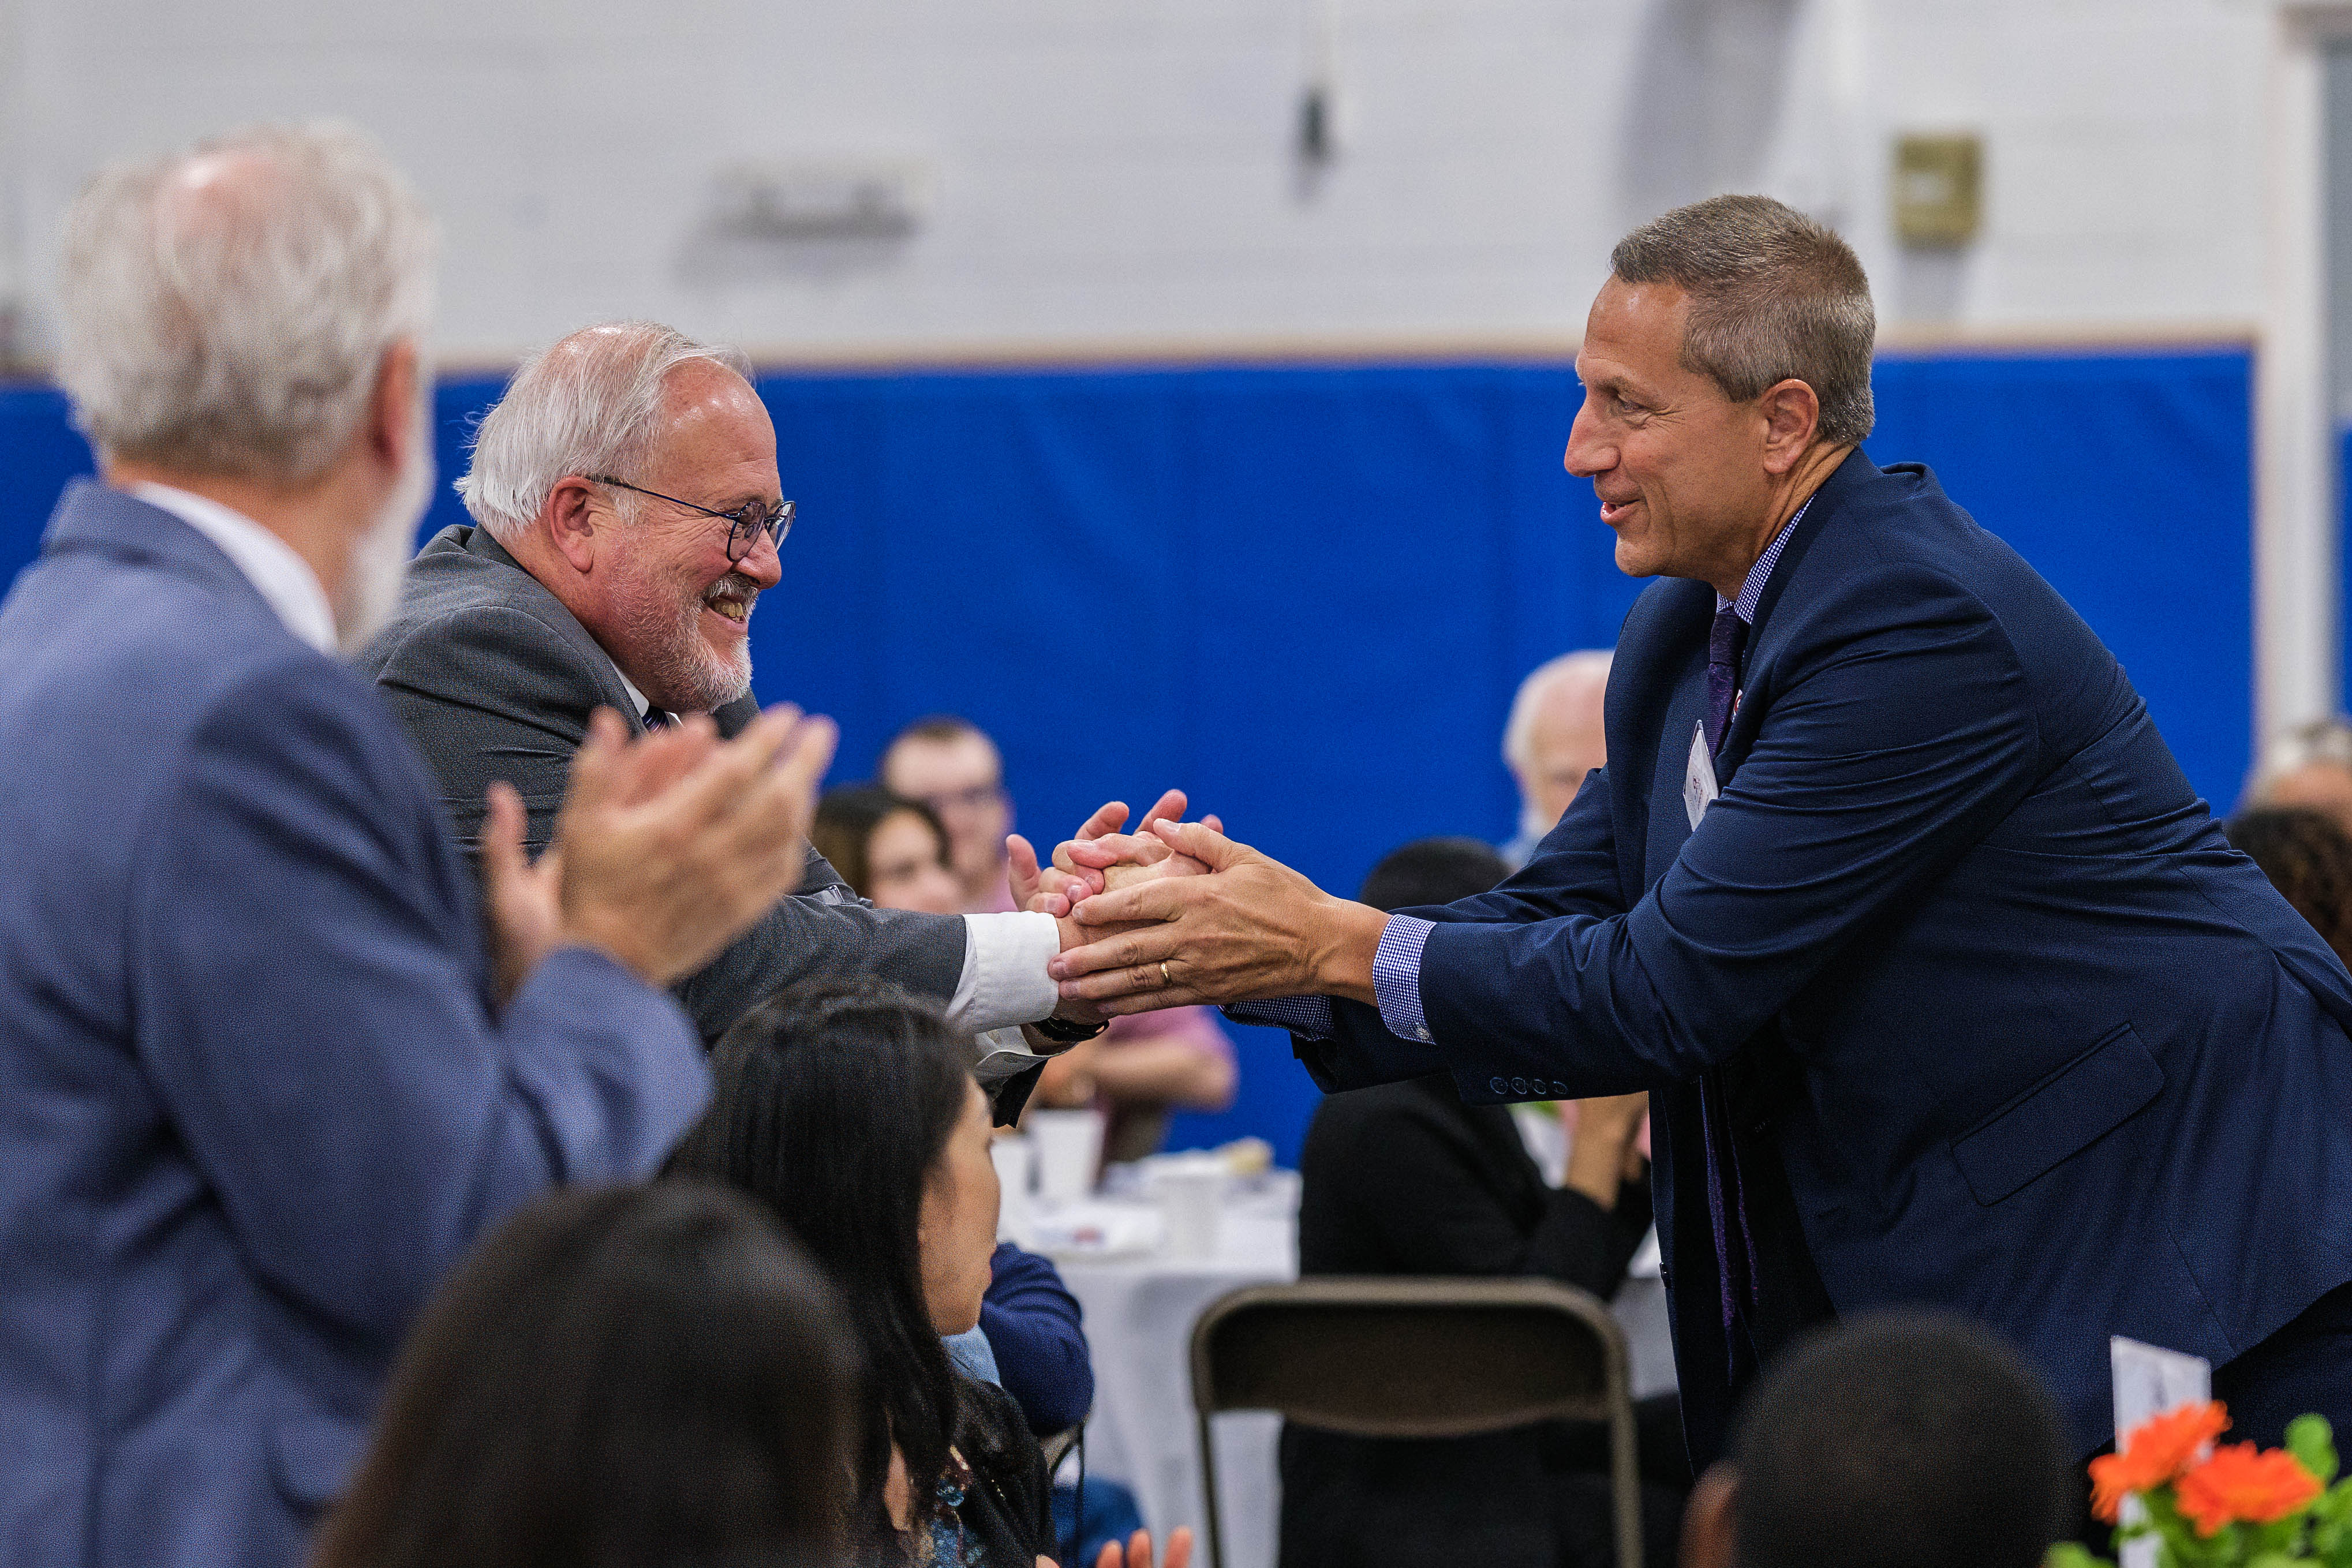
(743, 522)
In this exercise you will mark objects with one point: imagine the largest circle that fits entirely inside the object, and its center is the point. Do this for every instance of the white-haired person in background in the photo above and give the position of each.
(1552, 739)
(2310, 765)
(264, 1074)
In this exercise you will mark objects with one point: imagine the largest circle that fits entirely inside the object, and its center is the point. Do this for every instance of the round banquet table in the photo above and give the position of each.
(1140, 1311)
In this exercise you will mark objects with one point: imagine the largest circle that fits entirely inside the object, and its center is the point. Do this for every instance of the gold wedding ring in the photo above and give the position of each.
(1166, 979)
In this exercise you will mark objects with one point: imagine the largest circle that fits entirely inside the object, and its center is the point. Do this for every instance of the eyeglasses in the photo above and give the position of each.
(744, 523)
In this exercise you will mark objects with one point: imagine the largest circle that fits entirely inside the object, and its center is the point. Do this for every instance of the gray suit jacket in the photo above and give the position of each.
(496, 679)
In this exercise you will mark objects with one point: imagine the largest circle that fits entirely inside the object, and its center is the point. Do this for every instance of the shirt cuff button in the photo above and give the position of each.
(1421, 1034)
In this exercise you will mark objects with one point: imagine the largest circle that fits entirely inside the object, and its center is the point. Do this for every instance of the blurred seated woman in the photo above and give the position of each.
(892, 852)
(849, 1109)
(638, 1377)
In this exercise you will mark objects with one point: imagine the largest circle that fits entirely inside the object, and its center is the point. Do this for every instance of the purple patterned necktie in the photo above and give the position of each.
(1727, 1203)
(1724, 639)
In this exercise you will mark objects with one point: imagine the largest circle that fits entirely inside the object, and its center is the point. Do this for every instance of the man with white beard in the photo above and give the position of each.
(264, 1073)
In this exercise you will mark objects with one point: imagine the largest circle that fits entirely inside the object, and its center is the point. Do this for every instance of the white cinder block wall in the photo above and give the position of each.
(1122, 173)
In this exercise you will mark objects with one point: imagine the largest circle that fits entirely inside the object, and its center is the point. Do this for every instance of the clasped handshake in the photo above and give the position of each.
(669, 845)
(1176, 912)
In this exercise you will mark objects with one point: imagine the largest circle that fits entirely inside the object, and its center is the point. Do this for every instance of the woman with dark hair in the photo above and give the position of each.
(2308, 858)
(851, 1111)
(892, 852)
(849, 1108)
(621, 1377)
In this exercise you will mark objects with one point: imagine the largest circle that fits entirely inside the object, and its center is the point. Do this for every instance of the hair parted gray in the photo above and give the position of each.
(226, 310)
(588, 403)
(1774, 297)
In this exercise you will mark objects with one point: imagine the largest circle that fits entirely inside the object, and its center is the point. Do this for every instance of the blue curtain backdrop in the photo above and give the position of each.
(1305, 593)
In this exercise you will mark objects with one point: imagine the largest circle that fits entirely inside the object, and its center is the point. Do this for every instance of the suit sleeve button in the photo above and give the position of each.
(1499, 1086)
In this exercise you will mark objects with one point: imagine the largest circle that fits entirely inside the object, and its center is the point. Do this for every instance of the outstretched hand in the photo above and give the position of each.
(1251, 927)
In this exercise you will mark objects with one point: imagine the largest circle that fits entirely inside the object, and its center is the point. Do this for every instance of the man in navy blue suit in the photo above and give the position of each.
(262, 1079)
(1945, 985)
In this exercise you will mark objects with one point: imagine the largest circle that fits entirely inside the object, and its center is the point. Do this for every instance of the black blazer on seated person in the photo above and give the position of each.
(1403, 1178)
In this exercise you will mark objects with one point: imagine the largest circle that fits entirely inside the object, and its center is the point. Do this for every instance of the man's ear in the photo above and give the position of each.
(1709, 1537)
(1792, 412)
(571, 518)
(392, 426)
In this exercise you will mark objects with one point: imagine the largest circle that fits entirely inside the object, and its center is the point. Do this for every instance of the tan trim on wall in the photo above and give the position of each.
(1527, 348)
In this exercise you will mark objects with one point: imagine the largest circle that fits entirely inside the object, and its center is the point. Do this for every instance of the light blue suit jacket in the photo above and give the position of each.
(254, 1098)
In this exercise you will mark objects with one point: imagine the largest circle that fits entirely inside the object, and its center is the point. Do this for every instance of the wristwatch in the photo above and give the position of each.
(1062, 1031)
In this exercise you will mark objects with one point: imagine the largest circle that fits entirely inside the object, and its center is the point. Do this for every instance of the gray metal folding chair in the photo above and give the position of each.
(1419, 1357)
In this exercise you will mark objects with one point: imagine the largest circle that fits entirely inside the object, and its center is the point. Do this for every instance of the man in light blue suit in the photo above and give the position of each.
(264, 1072)
(1945, 985)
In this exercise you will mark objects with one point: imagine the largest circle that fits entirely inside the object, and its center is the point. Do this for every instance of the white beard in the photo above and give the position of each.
(379, 561)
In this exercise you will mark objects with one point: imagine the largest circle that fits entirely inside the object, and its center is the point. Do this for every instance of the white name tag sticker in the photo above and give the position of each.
(1699, 779)
(2151, 1382)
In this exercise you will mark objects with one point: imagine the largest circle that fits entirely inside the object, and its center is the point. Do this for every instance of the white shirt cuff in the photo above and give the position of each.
(1004, 980)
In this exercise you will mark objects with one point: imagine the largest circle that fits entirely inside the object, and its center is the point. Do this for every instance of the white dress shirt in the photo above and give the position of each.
(281, 577)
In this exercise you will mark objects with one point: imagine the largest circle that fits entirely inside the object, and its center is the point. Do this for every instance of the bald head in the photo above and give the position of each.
(1554, 737)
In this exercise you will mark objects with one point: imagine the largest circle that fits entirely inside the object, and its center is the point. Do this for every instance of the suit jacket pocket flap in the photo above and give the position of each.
(2058, 1117)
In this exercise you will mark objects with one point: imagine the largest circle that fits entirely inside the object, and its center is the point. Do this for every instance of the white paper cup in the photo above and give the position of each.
(1016, 1159)
(1191, 1198)
(1069, 1150)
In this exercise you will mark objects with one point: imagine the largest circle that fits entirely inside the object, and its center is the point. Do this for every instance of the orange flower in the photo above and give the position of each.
(2154, 1452)
(2241, 1485)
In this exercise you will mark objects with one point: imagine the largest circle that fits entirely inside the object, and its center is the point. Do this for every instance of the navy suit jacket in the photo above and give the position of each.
(2024, 1036)
(253, 1100)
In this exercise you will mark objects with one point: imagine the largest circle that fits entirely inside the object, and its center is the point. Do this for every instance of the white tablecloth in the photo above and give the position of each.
(1140, 1315)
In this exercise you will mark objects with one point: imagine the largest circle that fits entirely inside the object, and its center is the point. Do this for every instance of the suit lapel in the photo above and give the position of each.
(532, 595)
(1834, 497)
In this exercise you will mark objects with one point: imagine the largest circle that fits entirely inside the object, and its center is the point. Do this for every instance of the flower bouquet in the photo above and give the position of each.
(2228, 1507)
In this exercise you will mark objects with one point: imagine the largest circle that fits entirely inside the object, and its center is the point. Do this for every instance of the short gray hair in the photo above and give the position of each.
(1586, 664)
(226, 310)
(590, 403)
(1774, 297)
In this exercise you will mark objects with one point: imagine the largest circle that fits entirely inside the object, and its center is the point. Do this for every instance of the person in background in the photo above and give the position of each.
(1552, 739)
(1898, 1440)
(2309, 765)
(651, 1375)
(1141, 1068)
(1403, 1178)
(2308, 858)
(951, 765)
(892, 851)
